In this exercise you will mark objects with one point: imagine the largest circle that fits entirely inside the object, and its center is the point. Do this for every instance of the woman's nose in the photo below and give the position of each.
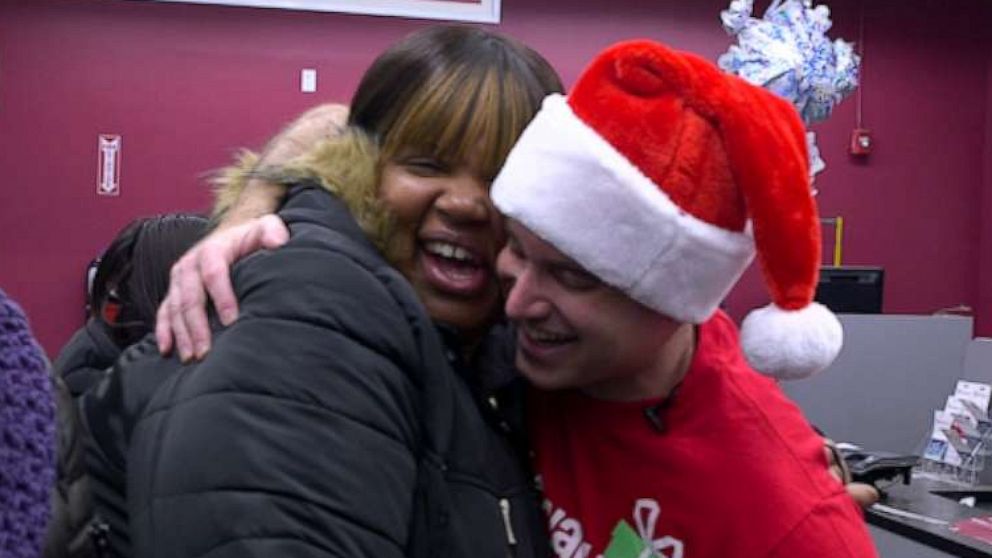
(465, 200)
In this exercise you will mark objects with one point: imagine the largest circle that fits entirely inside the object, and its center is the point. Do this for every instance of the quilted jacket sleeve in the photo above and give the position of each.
(83, 361)
(296, 435)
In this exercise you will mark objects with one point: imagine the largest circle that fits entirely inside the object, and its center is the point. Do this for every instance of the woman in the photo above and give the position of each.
(332, 418)
(131, 280)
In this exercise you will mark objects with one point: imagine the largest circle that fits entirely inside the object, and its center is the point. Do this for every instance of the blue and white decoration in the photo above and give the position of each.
(787, 51)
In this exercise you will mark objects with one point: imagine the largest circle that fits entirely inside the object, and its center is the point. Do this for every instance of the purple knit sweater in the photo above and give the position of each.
(27, 436)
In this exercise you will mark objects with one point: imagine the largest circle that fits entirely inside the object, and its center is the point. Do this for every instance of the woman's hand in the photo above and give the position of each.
(204, 271)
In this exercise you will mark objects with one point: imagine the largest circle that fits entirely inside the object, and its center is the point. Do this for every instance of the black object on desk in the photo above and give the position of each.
(872, 466)
(856, 290)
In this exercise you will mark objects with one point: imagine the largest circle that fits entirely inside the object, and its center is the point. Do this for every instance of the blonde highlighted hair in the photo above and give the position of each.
(450, 92)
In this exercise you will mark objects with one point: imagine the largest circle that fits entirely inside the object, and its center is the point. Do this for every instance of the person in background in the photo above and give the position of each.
(74, 530)
(346, 411)
(633, 207)
(131, 280)
(27, 435)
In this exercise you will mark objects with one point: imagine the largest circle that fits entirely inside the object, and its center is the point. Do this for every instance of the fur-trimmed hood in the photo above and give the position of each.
(347, 166)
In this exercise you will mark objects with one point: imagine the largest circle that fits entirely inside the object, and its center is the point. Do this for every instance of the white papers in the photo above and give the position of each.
(958, 427)
(975, 392)
(939, 448)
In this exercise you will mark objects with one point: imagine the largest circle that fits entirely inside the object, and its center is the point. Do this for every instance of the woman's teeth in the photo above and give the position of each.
(450, 251)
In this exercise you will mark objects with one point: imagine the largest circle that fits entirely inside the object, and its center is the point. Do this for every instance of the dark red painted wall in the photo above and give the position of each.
(913, 205)
(185, 84)
(983, 324)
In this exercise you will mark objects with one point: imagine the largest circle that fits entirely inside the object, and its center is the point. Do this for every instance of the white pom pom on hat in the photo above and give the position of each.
(791, 344)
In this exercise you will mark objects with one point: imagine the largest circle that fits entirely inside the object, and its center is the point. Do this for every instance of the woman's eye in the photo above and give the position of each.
(425, 166)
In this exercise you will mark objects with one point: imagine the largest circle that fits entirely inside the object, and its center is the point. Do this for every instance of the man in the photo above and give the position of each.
(631, 205)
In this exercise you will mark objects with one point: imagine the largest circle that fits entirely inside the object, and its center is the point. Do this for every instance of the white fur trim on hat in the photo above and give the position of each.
(791, 344)
(570, 187)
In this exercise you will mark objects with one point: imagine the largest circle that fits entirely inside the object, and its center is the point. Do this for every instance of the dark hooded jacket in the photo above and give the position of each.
(331, 419)
(78, 528)
(84, 359)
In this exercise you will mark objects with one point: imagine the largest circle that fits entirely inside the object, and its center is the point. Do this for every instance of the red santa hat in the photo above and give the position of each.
(661, 175)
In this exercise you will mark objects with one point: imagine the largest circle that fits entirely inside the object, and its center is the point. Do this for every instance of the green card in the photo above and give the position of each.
(624, 543)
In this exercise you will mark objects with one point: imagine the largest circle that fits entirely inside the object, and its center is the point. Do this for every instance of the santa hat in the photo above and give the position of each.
(660, 174)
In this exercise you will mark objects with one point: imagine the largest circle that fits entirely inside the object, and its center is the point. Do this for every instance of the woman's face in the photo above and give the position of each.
(447, 234)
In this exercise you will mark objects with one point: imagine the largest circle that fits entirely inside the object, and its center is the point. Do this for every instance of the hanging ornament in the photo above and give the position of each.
(787, 51)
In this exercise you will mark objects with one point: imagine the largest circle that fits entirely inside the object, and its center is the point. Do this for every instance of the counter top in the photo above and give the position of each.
(918, 498)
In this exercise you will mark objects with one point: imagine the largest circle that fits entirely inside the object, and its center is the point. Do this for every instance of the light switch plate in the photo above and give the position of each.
(308, 80)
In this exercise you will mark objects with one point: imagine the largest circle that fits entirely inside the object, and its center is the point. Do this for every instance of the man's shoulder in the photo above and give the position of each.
(731, 404)
(833, 528)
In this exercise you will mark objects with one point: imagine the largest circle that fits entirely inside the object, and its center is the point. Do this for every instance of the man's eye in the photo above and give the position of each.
(576, 279)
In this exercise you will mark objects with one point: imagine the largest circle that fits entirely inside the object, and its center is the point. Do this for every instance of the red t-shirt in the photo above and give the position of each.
(734, 471)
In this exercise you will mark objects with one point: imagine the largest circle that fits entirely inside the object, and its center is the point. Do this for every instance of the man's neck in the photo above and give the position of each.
(672, 364)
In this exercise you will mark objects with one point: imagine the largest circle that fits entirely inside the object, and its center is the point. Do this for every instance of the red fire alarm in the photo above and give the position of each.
(861, 142)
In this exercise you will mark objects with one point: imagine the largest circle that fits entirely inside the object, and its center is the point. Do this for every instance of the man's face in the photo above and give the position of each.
(573, 330)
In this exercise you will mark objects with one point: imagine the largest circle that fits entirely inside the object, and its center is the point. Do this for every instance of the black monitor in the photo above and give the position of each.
(852, 290)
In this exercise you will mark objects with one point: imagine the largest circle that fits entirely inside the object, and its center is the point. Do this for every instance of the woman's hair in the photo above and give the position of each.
(132, 277)
(447, 92)
(452, 90)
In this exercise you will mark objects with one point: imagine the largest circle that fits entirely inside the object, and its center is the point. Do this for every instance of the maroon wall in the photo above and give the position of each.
(184, 84)
(913, 205)
(983, 325)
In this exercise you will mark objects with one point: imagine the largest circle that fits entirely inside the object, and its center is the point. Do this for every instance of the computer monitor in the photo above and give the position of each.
(852, 290)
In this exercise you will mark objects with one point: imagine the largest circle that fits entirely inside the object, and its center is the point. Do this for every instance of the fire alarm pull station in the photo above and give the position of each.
(861, 142)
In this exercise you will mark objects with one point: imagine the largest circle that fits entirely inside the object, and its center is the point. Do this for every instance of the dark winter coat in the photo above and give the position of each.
(76, 529)
(79, 528)
(86, 357)
(329, 420)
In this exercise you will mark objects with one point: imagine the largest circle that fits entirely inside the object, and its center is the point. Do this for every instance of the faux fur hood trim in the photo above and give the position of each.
(347, 166)
(229, 182)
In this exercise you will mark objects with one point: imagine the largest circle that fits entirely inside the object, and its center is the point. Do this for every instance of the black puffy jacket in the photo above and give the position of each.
(78, 527)
(84, 359)
(74, 528)
(329, 420)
